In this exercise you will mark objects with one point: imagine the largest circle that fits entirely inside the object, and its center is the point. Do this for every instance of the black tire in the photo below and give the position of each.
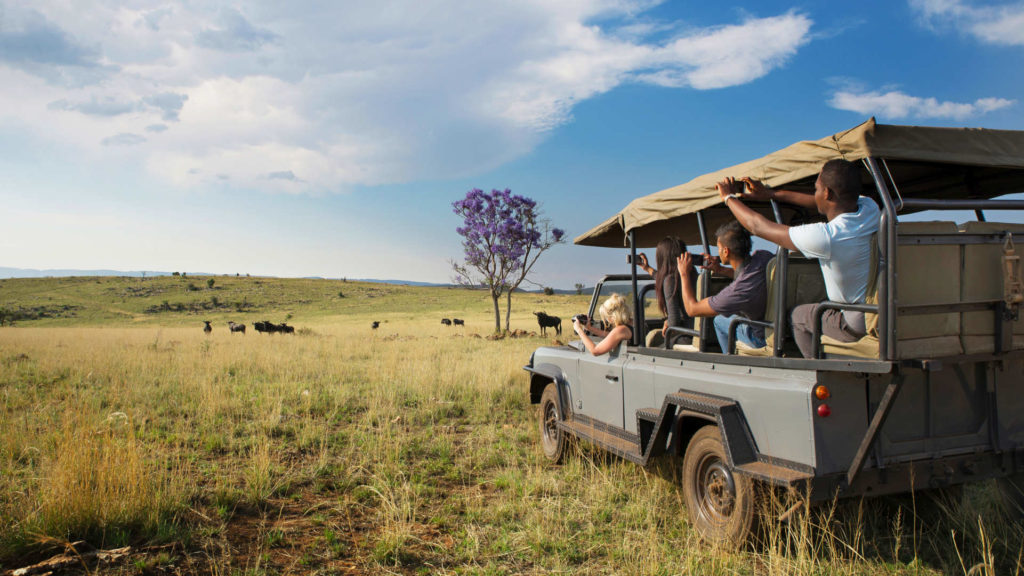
(553, 440)
(1011, 489)
(720, 503)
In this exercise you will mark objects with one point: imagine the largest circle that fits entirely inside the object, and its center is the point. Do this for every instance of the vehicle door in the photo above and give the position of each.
(601, 386)
(602, 378)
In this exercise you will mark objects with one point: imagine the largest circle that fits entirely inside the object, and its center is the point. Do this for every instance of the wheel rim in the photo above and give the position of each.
(549, 426)
(716, 490)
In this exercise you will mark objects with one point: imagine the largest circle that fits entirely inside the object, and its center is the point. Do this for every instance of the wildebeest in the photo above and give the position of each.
(458, 321)
(446, 321)
(207, 328)
(376, 324)
(236, 327)
(546, 322)
(270, 327)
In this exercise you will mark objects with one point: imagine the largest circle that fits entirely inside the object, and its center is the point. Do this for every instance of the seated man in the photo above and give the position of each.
(745, 296)
(842, 244)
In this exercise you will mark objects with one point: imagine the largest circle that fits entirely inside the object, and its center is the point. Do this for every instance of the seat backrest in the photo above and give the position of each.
(983, 280)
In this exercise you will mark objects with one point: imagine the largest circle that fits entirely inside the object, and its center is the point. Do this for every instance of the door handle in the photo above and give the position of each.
(611, 378)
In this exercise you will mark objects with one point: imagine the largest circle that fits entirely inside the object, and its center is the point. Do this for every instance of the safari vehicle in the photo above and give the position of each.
(931, 398)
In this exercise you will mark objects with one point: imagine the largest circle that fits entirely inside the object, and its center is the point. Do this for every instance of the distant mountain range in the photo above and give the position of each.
(33, 273)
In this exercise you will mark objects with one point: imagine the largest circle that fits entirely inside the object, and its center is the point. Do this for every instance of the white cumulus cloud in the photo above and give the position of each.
(995, 24)
(898, 105)
(344, 93)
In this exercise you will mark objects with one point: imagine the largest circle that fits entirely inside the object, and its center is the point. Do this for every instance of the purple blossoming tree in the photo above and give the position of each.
(503, 235)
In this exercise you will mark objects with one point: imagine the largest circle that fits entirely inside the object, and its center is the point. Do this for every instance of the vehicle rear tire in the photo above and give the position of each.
(720, 503)
(553, 439)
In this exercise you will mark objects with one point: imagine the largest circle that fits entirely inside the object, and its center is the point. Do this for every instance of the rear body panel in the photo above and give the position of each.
(962, 422)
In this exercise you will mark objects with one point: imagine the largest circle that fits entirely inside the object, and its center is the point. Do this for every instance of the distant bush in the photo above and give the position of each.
(579, 289)
(549, 291)
(192, 287)
(341, 294)
(210, 282)
(175, 273)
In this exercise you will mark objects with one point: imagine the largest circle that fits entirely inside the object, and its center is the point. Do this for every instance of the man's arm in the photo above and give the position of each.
(757, 224)
(693, 308)
(756, 190)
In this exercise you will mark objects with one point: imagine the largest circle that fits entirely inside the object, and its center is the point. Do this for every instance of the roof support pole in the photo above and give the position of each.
(781, 281)
(887, 296)
(704, 279)
(637, 311)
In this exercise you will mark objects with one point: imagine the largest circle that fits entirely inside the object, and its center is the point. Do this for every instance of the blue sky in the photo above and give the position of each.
(330, 138)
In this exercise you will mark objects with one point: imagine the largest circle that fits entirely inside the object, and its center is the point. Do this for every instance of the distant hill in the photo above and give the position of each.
(170, 300)
(61, 273)
(33, 273)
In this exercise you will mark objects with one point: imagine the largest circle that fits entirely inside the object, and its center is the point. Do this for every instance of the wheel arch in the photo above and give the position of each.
(687, 424)
(543, 374)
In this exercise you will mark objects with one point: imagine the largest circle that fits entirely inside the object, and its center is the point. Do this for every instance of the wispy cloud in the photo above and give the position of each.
(123, 139)
(234, 34)
(1001, 24)
(355, 93)
(898, 105)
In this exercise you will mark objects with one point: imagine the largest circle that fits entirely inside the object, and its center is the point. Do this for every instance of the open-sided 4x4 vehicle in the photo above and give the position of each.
(932, 397)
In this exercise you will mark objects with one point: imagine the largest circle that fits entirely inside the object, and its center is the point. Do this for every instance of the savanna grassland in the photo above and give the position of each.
(410, 449)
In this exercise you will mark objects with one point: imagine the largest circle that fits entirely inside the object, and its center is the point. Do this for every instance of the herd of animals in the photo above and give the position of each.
(264, 326)
(544, 320)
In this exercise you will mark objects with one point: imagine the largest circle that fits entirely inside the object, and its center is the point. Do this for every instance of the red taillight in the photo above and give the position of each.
(824, 411)
(822, 393)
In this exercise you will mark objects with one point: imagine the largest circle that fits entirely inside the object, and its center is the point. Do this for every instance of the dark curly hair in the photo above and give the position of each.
(736, 238)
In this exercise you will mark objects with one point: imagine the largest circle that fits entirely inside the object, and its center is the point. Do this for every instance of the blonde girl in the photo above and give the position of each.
(614, 313)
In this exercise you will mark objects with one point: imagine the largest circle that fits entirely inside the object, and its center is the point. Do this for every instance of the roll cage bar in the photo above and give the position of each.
(887, 294)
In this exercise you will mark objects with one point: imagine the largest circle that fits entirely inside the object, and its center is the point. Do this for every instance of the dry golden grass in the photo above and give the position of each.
(409, 449)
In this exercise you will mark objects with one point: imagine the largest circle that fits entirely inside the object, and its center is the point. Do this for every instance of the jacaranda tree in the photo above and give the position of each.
(503, 235)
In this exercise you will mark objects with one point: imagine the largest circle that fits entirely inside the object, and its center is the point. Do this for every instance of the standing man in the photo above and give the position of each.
(746, 296)
(842, 244)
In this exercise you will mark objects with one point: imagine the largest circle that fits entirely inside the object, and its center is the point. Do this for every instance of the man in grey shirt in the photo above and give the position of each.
(746, 296)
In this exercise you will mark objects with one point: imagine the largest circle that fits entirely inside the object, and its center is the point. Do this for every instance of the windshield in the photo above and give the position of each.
(625, 288)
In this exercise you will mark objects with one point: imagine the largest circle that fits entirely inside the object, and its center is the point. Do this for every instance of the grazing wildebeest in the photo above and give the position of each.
(546, 322)
(282, 327)
(263, 326)
(446, 321)
(376, 324)
(207, 328)
(458, 321)
(236, 327)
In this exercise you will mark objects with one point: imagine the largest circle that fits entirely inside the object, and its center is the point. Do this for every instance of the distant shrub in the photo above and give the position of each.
(175, 273)
(341, 294)
(549, 291)
(579, 289)
(214, 301)
(191, 287)
(210, 282)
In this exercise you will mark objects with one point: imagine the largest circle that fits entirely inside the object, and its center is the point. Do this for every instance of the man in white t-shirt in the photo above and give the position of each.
(842, 244)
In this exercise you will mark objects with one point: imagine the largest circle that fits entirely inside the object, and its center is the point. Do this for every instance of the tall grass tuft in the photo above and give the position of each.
(100, 485)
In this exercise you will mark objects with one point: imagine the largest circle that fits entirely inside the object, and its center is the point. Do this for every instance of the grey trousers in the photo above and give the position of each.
(833, 325)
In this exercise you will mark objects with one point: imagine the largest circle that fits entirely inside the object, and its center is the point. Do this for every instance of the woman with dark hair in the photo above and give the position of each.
(667, 287)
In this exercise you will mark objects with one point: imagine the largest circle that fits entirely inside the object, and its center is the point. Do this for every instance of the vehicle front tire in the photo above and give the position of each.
(720, 503)
(553, 439)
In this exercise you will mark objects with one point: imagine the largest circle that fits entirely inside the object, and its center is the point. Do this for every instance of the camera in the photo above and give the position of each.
(697, 259)
(582, 318)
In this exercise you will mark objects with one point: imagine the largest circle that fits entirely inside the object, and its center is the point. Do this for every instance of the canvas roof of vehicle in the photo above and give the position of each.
(925, 162)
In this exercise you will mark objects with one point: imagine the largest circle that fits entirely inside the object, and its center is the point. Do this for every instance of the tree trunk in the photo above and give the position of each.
(497, 312)
(508, 307)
